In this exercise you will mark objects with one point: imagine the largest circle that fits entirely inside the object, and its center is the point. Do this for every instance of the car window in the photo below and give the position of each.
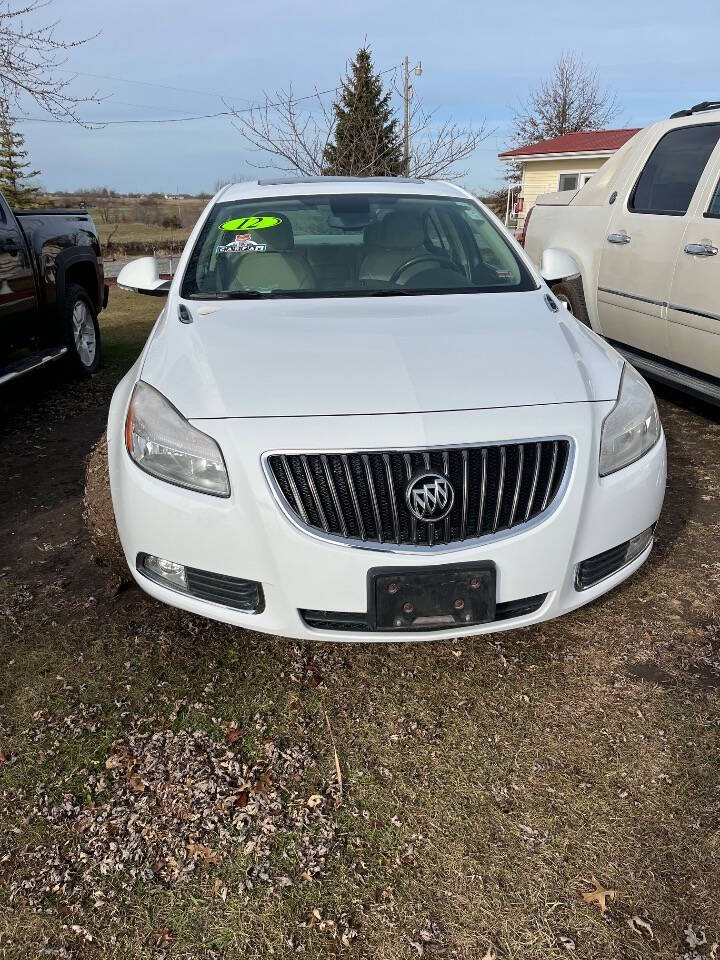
(672, 173)
(714, 208)
(351, 245)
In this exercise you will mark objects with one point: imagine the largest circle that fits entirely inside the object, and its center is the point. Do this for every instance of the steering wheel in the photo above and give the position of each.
(423, 258)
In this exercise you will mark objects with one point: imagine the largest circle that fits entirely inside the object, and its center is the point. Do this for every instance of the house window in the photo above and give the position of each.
(573, 181)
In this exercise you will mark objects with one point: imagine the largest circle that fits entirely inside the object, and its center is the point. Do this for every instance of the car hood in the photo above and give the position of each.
(337, 356)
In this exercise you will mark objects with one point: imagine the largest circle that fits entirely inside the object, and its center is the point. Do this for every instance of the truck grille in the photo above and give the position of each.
(362, 496)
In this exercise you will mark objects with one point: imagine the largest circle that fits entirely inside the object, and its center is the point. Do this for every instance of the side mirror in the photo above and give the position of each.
(142, 276)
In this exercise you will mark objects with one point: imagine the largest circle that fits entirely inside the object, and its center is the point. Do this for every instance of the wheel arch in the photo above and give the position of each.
(78, 265)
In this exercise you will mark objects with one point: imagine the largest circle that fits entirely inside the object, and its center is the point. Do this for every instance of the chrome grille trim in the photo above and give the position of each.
(501, 488)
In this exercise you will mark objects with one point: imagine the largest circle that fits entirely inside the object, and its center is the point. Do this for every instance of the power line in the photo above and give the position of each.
(204, 116)
(91, 124)
(148, 83)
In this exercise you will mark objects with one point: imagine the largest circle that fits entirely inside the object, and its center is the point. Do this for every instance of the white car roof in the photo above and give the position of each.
(313, 186)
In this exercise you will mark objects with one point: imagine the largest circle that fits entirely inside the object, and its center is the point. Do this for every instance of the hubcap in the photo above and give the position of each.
(84, 333)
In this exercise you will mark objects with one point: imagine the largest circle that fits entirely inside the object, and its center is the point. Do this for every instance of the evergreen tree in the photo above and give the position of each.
(14, 176)
(366, 138)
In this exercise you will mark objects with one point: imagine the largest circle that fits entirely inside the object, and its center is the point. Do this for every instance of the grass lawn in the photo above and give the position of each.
(170, 787)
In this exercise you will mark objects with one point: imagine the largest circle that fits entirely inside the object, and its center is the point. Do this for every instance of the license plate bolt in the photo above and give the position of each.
(475, 582)
(392, 587)
(408, 607)
(459, 604)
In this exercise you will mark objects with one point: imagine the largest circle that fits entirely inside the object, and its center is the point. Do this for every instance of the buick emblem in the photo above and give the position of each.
(430, 497)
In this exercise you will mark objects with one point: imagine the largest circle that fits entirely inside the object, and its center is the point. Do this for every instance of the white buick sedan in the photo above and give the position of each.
(362, 414)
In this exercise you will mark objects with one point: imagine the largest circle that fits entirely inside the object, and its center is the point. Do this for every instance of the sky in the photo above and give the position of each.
(162, 59)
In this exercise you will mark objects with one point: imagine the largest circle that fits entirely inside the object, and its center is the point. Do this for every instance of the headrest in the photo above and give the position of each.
(372, 234)
(402, 230)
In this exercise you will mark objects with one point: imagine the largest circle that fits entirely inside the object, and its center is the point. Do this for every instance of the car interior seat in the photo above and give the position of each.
(279, 267)
(400, 237)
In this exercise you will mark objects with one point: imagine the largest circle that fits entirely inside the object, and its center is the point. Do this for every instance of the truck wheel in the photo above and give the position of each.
(571, 293)
(82, 332)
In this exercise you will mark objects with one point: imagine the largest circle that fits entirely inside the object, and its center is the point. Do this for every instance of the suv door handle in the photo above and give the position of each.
(701, 250)
(619, 238)
(9, 245)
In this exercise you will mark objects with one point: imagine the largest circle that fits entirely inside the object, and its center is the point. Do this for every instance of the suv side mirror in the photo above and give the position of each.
(142, 276)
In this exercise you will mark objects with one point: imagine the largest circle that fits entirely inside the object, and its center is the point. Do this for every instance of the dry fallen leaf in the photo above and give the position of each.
(566, 941)
(137, 784)
(233, 735)
(314, 801)
(264, 784)
(205, 853)
(695, 938)
(162, 938)
(640, 926)
(491, 953)
(599, 895)
(3, 758)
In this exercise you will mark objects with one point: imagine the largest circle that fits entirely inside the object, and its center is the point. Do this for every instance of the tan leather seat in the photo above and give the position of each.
(400, 237)
(279, 267)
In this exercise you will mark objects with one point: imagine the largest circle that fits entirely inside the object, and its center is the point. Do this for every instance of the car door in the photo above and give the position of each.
(18, 304)
(645, 234)
(694, 307)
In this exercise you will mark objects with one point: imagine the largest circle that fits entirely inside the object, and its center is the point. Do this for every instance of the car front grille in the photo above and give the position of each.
(359, 622)
(361, 496)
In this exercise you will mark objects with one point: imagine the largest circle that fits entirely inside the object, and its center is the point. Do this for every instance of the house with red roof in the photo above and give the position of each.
(563, 163)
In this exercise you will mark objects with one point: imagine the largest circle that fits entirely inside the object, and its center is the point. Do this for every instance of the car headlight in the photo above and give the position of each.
(632, 427)
(161, 442)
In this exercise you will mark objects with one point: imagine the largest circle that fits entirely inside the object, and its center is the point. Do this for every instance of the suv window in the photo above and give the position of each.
(714, 208)
(672, 173)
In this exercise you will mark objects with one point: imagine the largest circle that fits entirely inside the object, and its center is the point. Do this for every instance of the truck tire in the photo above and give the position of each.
(571, 292)
(99, 515)
(82, 331)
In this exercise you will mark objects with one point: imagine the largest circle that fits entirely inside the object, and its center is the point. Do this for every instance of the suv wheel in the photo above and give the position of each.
(82, 331)
(570, 292)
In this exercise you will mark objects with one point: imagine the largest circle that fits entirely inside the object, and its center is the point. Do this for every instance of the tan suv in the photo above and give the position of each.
(634, 252)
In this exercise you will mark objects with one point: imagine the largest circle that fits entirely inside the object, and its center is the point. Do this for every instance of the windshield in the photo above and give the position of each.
(350, 245)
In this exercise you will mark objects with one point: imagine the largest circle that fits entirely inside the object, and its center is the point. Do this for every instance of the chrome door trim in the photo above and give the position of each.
(696, 313)
(633, 296)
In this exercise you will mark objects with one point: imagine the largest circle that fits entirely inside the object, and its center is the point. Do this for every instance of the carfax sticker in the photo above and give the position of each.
(241, 244)
(251, 223)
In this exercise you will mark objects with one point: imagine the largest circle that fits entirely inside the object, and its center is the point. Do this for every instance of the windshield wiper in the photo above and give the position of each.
(229, 295)
(392, 292)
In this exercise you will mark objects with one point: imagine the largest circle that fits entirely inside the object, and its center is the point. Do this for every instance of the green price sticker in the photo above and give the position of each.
(251, 223)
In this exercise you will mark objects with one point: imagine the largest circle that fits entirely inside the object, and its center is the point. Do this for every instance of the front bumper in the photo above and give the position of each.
(248, 536)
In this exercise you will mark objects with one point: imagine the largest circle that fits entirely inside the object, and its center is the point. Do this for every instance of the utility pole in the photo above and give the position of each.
(407, 94)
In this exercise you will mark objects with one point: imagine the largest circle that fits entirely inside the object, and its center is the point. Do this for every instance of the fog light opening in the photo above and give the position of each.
(595, 569)
(165, 571)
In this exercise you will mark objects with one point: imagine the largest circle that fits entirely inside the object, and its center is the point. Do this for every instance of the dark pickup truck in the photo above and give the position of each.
(52, 288)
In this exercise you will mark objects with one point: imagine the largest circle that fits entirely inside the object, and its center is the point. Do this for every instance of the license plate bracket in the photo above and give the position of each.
(432, 598)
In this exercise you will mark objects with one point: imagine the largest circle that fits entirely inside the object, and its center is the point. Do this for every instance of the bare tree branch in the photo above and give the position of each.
(293, 140)
(571, 100)
(30, 59)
